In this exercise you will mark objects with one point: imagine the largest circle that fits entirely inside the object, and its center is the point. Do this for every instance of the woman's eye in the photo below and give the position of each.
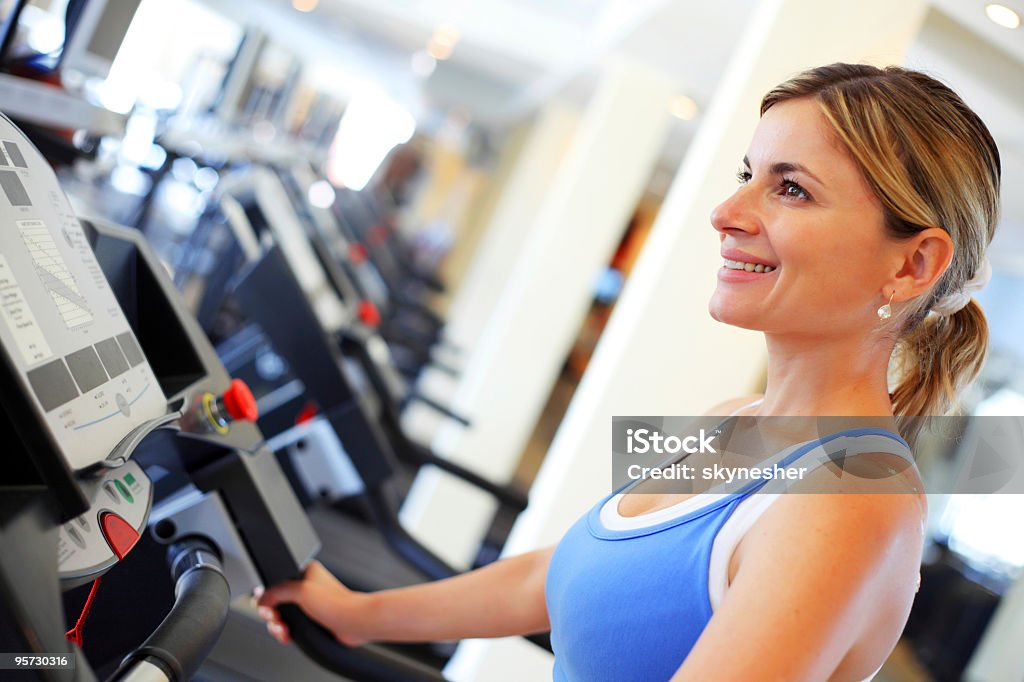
(792, 189)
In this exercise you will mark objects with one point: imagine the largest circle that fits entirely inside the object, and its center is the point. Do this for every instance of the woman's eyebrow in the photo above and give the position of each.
(787, 167)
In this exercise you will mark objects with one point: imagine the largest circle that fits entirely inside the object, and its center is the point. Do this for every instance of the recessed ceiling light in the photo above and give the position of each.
(1003, 15)
(439, 51)
(423, 64)
(305, 5)
(321, 194)
(446, 34)
(442, 42)
(683, 107)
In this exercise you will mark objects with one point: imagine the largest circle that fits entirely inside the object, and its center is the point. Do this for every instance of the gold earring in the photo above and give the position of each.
(885, 312)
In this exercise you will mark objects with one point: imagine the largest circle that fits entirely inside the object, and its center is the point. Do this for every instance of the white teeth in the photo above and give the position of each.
(749, 267)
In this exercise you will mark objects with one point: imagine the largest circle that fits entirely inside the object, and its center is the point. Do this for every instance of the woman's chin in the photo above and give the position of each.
(730, 315)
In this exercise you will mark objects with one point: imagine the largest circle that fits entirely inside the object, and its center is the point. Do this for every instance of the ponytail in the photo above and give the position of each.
(934, 360)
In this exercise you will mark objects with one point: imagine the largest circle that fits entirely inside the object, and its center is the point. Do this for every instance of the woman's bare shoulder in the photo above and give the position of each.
(729, 406)
(841, 528)
(835, 572)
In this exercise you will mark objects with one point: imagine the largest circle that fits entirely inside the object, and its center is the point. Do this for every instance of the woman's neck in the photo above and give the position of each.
(826, 376)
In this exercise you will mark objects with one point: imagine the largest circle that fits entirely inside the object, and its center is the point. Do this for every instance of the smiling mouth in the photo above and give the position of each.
(748, 267)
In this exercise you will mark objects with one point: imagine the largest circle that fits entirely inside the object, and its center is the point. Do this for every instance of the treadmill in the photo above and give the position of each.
(355, 445)
(131, 457)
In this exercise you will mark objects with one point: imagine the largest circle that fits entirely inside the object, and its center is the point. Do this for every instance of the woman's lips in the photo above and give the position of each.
(744, 257)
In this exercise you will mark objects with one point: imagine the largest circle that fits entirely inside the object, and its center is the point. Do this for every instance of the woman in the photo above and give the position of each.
(866, 201)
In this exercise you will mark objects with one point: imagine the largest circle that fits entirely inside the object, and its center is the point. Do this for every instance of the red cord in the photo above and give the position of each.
(75, 633)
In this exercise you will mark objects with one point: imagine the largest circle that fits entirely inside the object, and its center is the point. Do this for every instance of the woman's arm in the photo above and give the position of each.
(502, 599)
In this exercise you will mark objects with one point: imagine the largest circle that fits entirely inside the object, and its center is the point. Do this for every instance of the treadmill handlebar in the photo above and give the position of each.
(182, 641)
(368, 662)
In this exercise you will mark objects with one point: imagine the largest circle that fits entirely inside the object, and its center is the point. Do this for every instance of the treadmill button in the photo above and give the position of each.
(239, 402)
(74, 535)
(122, 404)
(357, 253)
(120, 534)
(368, 314)
(111, 492)
(123, 490)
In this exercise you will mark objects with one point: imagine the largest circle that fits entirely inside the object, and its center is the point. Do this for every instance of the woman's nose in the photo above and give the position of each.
(736, 212)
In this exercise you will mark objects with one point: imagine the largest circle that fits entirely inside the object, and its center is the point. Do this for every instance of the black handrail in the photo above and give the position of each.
(191, 628)
(368, 663)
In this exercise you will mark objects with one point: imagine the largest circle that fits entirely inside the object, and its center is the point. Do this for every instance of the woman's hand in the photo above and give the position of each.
(323, 598)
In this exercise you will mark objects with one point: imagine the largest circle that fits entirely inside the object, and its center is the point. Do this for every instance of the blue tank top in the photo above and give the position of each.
(629, 605)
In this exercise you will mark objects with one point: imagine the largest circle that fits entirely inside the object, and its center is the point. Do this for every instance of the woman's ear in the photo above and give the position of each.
(926, 257)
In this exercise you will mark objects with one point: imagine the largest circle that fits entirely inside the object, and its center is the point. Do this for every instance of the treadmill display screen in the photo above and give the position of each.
(62, 332)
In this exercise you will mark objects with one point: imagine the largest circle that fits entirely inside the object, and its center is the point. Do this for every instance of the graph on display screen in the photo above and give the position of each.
(54, 274)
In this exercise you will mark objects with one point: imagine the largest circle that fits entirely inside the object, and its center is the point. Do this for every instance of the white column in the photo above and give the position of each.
(580, 221)
(494, 179)
(512, 222)
(661, 352)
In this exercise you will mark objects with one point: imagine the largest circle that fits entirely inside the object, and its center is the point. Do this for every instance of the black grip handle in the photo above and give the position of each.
(186, 635)
(367, 663)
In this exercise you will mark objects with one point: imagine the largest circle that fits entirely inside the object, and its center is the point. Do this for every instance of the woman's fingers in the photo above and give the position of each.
(319, 594)
(278, 631)
(291, 591)
(298, 591)
(312, 598)
(275, 626)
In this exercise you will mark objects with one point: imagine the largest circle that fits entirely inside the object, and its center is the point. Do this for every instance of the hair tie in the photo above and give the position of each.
(952, 303)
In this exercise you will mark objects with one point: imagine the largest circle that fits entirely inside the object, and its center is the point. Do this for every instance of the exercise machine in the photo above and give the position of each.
(128, 442)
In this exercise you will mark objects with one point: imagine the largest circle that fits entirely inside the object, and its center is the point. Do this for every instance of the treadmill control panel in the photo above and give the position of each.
(91, 543)
(61, 328)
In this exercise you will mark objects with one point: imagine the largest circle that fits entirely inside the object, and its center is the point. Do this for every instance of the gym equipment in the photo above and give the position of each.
(286, 292)
(126, 440)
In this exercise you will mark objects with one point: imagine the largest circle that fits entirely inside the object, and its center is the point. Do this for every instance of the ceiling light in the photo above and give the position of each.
(304, 5)
(439, 51)
(683, 107)
(446, 34)
(442, 42)
(321, 194)
(1003, 15)
(423, 64)
(373, 123)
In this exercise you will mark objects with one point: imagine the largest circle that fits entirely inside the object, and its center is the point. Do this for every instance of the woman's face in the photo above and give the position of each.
(804, 210)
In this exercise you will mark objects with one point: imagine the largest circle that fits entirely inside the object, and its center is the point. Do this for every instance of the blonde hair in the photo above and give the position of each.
(931, 162)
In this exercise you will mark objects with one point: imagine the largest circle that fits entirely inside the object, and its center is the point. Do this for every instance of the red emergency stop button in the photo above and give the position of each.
(239, 402)
(307, 413)
(368, 314)
(120, 535)
(357, 253)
